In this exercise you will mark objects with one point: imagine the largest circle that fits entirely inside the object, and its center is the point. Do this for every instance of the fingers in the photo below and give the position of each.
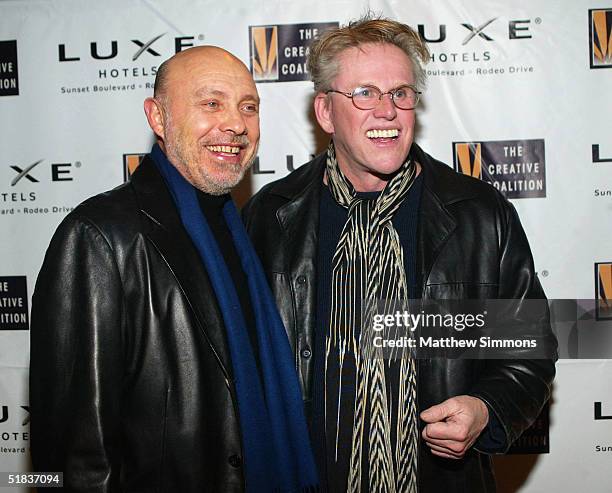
(453, 426)
(455, 448)
(448, 430)
(446, 453)
(439, 412)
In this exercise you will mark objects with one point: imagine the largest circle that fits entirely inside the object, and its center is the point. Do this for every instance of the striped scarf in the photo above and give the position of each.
(368, 269)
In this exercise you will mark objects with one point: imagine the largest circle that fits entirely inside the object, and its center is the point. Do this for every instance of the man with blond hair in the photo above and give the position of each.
(374, 217)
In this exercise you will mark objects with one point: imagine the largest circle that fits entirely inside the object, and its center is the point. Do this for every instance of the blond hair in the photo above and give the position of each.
(323, 58)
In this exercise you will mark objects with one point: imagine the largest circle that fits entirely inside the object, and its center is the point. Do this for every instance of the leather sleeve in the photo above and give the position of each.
(76, 360)
(517, 389)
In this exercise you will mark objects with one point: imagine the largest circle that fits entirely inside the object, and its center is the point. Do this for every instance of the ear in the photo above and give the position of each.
(323, 112)
(155, 116)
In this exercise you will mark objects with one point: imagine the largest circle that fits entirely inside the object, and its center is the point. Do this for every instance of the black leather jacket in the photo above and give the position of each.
(470, 246)
(131, 384)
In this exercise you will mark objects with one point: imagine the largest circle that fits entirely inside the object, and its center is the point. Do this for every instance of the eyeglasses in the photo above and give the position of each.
(404, 97)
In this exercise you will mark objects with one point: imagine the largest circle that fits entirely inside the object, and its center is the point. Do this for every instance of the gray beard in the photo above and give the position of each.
(203, 180)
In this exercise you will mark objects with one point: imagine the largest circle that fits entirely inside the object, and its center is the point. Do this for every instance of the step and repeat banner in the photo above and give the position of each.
(519, 94)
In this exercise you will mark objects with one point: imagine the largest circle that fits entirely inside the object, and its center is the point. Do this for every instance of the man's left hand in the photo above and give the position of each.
(454, 425)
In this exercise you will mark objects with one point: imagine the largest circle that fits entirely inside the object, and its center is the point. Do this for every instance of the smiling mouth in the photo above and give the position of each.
(225, 149)
(382, 134)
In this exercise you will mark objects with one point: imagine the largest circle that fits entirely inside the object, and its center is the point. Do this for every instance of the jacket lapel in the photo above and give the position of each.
(299, 221)
(299, 218)
(167, 234)
(435, 227)
(436, 224)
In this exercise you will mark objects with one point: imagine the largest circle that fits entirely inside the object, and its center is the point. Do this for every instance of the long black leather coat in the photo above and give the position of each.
(130, 380)
(470, 245)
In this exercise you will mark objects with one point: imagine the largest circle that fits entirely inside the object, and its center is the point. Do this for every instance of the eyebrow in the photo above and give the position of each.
(361, 84)
(204, 92)
(209, 92)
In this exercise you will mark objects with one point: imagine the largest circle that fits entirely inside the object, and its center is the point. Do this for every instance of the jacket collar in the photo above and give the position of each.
(294, 190)
(292, 186)
(167, 234)
(299, 217)
(438, 177)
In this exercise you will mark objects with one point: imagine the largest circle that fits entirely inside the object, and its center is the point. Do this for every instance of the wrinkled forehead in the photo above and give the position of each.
(370, 61)
(210, 79)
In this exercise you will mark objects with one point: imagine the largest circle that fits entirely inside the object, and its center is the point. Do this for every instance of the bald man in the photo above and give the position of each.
(158, 359)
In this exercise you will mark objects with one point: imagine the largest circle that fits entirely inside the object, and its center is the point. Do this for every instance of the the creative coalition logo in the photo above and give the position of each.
(278, 52)
(264, 53)
(603, 291)
(130, 163)
(535, 439)
(468, 158)
(9, 79)
(600, 38)
(13, 303)
(515, 167)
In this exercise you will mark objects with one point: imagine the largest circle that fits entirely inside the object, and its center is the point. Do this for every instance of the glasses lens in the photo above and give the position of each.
(366, 97)
(405, 97)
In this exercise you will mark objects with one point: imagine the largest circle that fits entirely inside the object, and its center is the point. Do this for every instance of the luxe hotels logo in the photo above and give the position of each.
(278, 52)
(600, 38)
(515, 167)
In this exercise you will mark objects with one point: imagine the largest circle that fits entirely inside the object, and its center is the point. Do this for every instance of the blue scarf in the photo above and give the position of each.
(276, 446)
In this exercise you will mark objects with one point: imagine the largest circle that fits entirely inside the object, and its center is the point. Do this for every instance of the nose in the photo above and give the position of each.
(385, 108)
(234, 122)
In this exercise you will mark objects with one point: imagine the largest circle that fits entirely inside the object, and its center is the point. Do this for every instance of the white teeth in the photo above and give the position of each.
(228, 149)
(382, 134)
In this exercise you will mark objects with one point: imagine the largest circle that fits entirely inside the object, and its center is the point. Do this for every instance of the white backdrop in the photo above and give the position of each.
(526, 84)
